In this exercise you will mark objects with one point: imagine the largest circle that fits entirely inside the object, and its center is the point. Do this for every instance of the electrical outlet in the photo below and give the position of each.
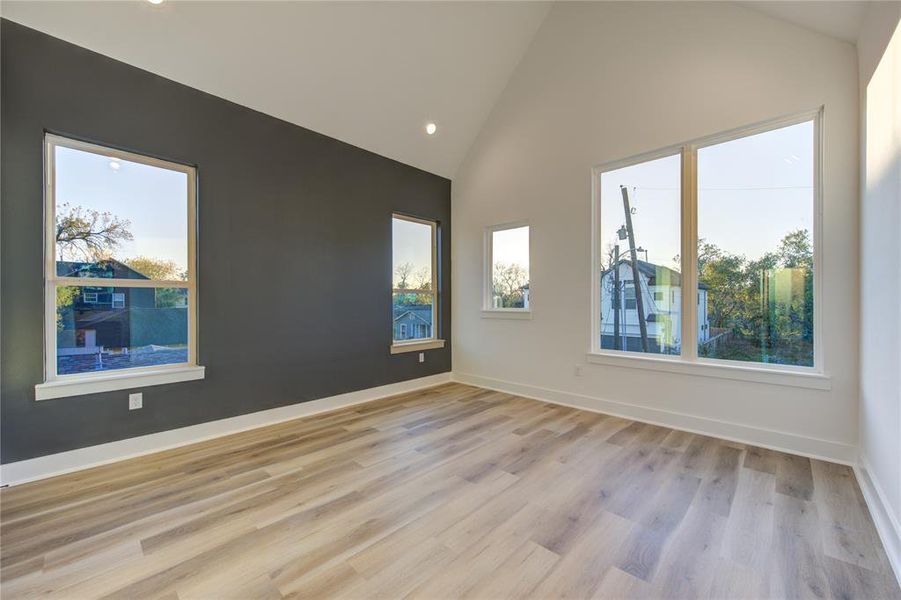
(578, 370)
(422, 357)
(135, 401)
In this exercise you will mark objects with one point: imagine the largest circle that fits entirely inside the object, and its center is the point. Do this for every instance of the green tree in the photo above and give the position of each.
(157, 268)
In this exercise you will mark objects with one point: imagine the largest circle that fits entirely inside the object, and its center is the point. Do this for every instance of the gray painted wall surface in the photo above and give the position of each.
(294, 248)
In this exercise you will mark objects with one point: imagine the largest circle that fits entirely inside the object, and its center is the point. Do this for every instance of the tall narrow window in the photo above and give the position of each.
(755, 247)
(507, 268)
(119, 272)
(414, 284)
(639, 221)
(726, 227)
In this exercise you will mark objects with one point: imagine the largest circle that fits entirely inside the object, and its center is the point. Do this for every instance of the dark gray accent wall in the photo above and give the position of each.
(294, 248)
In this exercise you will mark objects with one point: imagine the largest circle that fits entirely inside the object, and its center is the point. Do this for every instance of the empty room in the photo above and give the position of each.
(458, 299)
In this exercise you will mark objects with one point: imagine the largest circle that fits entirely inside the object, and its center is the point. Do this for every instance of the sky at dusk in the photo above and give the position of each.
(412, 243)
(751, 192)
(153, 199)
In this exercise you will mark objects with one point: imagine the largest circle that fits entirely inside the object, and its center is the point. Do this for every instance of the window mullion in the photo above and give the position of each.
(109, 282)
(689, 333)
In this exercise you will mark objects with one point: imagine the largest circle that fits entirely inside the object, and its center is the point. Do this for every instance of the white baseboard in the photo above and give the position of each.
(765, 438)
(83, 458)
(886, 522)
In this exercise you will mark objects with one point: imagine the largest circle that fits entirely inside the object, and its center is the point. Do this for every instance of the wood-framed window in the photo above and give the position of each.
(120, 233)
(414, 287)
(730, 226)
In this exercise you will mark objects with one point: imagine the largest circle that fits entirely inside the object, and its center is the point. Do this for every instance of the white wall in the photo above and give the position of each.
(880, 348)
(604, 81)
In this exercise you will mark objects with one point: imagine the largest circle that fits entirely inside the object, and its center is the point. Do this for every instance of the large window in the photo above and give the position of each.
(414, 284)
(120, 278)
(640, 242)
(726, 226)
(507, 286)
(755, 247)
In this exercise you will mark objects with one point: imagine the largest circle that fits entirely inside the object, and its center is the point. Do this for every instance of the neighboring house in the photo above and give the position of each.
(105, 319)
(412, 321)
(661, 293)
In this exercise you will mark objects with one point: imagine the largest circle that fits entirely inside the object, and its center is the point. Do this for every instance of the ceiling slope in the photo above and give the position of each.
(836, 18)
(370, 74)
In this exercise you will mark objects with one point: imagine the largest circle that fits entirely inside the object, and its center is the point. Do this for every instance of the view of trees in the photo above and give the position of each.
(761, 309)
(407, 277)
(508, 281)
(89, 235)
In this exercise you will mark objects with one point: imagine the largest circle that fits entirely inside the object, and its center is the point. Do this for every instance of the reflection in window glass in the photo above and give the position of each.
(413, 303)
(104, 329)
(640, 241)
(510, 268)
(755, 247)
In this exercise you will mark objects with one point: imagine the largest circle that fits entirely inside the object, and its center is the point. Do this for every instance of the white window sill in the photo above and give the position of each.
(506, 313)
(110, 381)
(741, 372)
(416, 346)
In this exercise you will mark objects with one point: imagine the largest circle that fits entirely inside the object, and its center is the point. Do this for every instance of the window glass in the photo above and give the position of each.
(413, 304)
(119, 219)
(755, 247)
(120, 276)
(640, 237)
(106, 329)
(510, 268)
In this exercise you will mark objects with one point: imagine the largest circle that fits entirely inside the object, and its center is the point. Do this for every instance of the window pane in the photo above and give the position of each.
(649, 321)
(103, 329)
(117, 218)
(755, 247)
(412, 248)
(412, 316)
(510, 268)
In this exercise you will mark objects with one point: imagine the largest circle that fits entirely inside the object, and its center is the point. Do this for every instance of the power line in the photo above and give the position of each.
(736, 189)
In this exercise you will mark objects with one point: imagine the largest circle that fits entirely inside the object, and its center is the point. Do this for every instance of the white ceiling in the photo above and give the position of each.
(837, 18)
(371, 74)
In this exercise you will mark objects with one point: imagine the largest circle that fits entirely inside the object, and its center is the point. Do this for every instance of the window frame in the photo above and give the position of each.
(56, 385)
(433, 341)
(688, 362)
(488, 310)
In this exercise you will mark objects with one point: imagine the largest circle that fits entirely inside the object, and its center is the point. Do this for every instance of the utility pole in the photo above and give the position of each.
(616, 294)
(636, 277)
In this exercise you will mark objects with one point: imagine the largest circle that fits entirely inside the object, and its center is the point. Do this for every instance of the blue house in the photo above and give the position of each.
(412, 321)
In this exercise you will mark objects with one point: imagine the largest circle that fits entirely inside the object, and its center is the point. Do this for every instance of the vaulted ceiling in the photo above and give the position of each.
(371, 74)
(368, 73)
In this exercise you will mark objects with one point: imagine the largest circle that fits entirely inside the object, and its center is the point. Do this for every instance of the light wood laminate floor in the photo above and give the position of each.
(451, 492)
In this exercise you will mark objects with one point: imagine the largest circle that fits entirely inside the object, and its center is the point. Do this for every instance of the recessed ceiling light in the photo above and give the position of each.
(155, 1)
(114, 165)
(431, 128)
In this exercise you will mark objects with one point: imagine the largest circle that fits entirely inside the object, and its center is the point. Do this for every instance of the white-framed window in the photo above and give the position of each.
(414, 287)
(507, 286)
(114, 220)
(730, 225)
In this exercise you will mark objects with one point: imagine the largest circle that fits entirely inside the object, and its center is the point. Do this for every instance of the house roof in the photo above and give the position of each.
(652, 272)
(423, 312)
(109, 268)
